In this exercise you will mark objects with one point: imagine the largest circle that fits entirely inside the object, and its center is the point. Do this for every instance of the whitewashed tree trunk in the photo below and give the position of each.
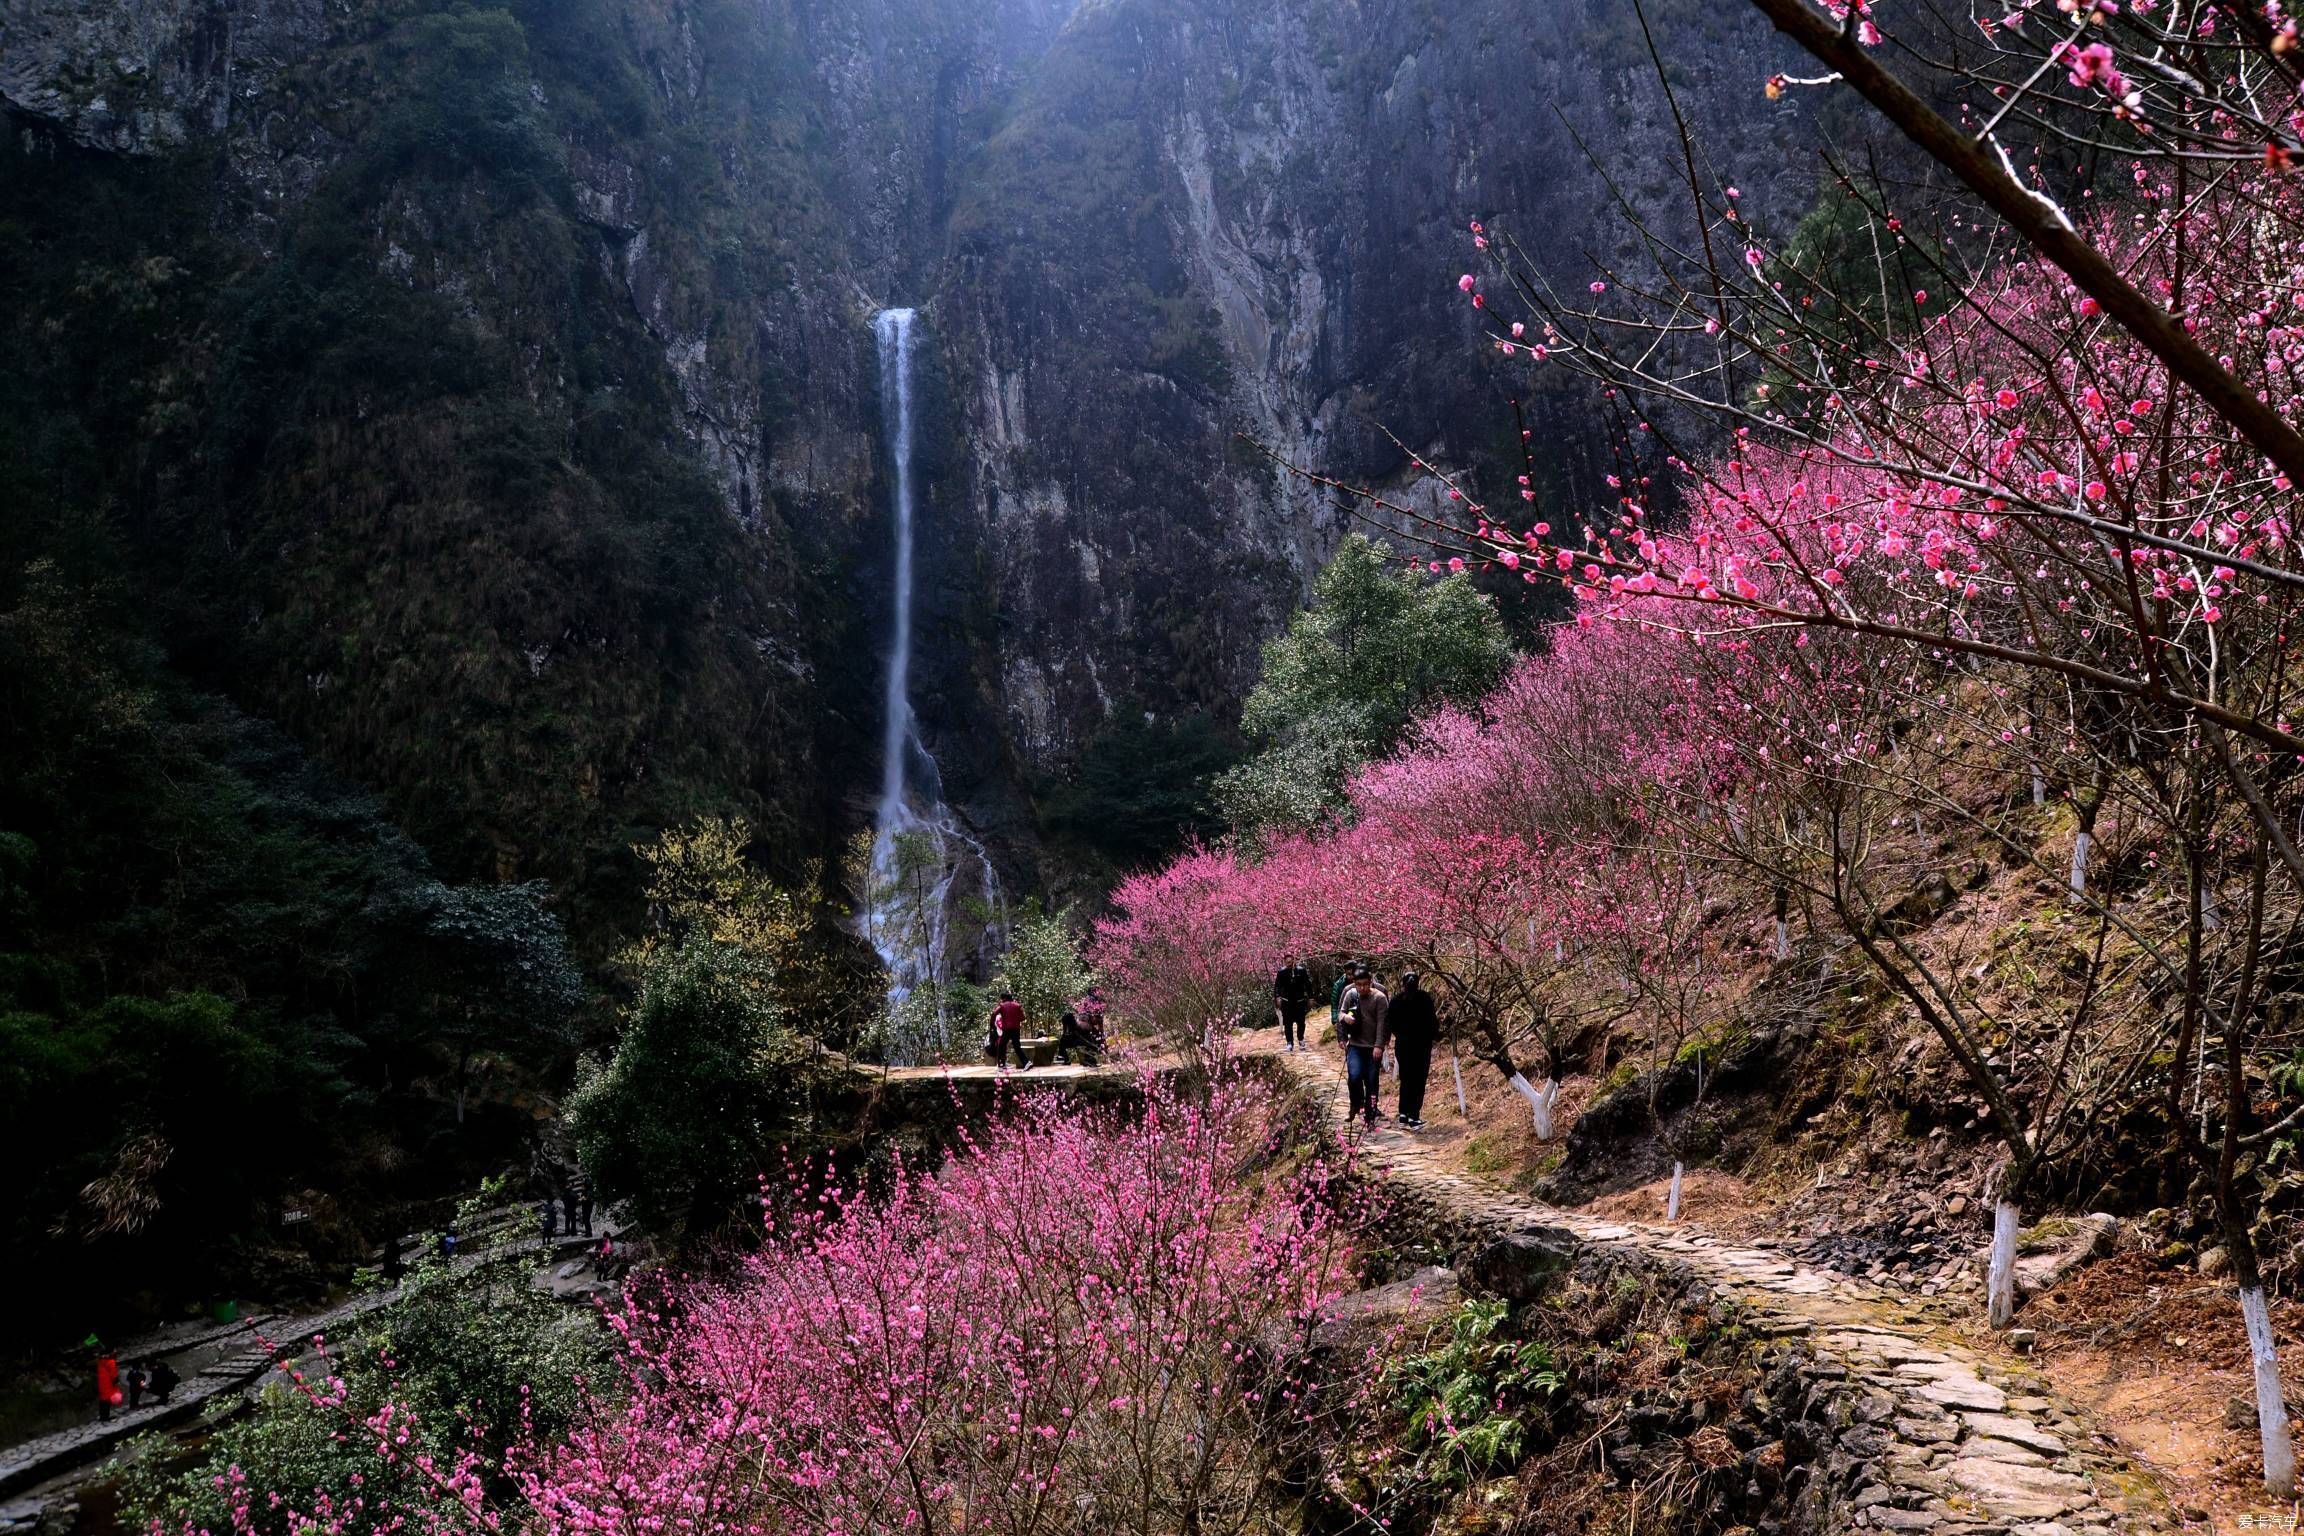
(1783, 939)
(2000, 1274)
(2210, 918)
(1672, 1201)
(1546, 1100)
(2039, 788)
(1539, 1107)
(2080, 863)
(2271, 1402)
(1462, 1108)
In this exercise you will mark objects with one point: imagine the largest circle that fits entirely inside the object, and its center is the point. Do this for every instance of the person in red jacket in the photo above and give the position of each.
(1007, 1030)
(108, 1394)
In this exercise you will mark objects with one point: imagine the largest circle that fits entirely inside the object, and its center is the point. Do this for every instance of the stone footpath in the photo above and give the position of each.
(1936, 1436)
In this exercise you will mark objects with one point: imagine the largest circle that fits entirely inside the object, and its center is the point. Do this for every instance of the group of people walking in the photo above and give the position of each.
(1368, 1021)
(572, 1200)
(128, 1386)
(1079, 1033)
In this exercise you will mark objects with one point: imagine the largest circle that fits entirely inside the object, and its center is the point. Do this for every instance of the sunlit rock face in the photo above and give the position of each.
(1148, 242)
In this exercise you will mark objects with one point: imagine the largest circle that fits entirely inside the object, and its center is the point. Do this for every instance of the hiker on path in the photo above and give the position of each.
(1292, 996)
(160, 1379)
(1091, 1010)
(1364, 1029)
(1008, 1029)
(580, 1198)
(108, 1394)
(1072, 1040)
(1415, 1025)
(1344, 974)
(394, 1265)
(548, 1216)
(138, 1381)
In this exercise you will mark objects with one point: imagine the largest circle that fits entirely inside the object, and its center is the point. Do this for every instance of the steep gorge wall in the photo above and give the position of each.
(1206, 218)
(500, 412)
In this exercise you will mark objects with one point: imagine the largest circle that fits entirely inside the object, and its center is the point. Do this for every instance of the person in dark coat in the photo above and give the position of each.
(1415, 1028)
(1292, 996)
(1091, 1010)
(160, 1379)
(394, 1264)
(581, 1190)
(1072, 1040)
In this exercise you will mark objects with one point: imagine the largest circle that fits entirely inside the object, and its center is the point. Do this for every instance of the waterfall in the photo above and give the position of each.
(899, 730)
(924, 863)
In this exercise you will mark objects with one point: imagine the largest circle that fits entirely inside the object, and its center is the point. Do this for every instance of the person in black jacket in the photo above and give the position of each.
(1415, 1027)
(1292, 995)
(160, 1379)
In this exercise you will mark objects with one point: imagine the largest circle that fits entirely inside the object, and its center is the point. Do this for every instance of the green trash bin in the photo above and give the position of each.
(225, 1311)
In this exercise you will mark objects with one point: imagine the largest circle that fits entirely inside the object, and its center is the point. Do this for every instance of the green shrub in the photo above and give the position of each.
(1043, 965)
(1380, 645)
(705, 1089)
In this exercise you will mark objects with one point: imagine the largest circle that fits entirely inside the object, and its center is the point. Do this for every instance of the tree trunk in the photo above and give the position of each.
(2000, 1273)
(2271, 1401)
(2263, 1352)
(1783, 923)
(2039, 788)
(2087, 806)
(1540, 1102)
(1672, 1201)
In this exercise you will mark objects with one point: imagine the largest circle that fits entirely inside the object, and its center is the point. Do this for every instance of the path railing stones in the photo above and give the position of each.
(1905, 1428)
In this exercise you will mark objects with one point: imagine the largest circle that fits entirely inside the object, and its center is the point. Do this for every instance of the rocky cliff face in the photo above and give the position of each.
(1206, 219)
(504, 375)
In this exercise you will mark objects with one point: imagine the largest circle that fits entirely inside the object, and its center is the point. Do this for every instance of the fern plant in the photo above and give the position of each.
(1468, 1403)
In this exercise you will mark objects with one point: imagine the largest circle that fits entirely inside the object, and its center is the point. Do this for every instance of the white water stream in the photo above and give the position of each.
(924, 863)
